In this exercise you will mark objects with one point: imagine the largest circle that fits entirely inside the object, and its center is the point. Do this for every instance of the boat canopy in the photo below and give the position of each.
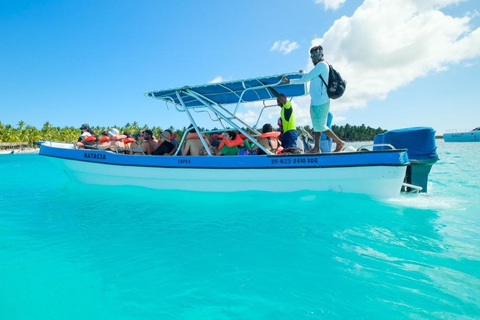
(213, 97)
(228, 92)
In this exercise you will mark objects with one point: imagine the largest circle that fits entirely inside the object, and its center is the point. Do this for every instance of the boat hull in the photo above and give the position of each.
(379, 174)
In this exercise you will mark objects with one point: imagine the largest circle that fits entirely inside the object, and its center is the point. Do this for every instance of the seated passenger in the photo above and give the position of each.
(193, 146)
(230, 144)
(128, 140)
(215, 139)
(149, 144)
(116, 139)
(166, 146)
(174, 141)
(105, 140)
(88, 138)
(247, 144)
(85, 140)
(269, 139)
(135, 147)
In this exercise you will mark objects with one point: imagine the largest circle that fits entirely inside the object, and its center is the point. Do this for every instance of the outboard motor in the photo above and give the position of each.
(421, 150)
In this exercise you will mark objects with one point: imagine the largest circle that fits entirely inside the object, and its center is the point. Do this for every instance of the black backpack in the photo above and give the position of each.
(336, 85)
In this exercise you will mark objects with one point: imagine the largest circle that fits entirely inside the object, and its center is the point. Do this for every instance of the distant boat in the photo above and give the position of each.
(469, 136)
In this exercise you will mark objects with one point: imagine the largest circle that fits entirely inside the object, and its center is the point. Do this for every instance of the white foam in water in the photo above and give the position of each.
(426, 201)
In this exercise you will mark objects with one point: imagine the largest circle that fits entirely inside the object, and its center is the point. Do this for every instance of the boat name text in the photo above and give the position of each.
(94, 155)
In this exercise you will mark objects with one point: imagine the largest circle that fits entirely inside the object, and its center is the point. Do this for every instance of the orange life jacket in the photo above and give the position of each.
(216, 136)
(244, 137)
(273, 134)
(104, 139)
(194, 135)
(232, 143)
(89, 139)
(128, 140)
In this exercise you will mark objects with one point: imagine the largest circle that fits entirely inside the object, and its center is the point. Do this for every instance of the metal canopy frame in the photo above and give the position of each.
(200, 102)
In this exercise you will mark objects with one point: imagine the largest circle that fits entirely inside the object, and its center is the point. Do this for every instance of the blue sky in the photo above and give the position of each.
(407, 63)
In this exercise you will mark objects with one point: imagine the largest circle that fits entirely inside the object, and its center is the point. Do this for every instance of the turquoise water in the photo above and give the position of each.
(88, 252)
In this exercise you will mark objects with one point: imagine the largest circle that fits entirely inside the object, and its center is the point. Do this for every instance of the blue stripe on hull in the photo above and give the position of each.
(372, 158)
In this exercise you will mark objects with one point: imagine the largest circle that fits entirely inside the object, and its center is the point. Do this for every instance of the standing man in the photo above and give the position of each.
(320, 102)
(289, 130)
(290, 134)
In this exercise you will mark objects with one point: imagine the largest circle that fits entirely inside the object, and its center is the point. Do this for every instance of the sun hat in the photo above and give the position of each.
(113, 132)
(166, 135)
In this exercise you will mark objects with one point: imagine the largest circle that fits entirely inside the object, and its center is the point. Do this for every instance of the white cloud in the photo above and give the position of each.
(217, 80)
(284, 46)
(331, 4)
(250, 117)
(386, 44)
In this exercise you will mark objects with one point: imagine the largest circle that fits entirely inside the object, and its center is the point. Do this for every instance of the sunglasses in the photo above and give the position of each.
(318, 54)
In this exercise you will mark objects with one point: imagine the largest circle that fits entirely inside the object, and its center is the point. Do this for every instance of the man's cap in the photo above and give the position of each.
(84, 126)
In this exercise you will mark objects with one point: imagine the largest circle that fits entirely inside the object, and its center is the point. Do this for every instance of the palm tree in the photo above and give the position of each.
(21, 125)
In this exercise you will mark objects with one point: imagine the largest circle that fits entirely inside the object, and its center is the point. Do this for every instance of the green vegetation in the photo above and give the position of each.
(354, 133)
(30, 134)
(357, 133)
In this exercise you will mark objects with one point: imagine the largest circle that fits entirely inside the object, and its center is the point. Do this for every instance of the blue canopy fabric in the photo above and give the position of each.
(231, 91)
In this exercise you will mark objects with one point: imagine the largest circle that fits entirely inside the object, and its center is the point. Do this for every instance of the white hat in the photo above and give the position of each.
(114, 132)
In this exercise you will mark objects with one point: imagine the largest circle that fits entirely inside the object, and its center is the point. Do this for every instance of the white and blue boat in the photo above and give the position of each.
(378, 173)
(469, 136)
